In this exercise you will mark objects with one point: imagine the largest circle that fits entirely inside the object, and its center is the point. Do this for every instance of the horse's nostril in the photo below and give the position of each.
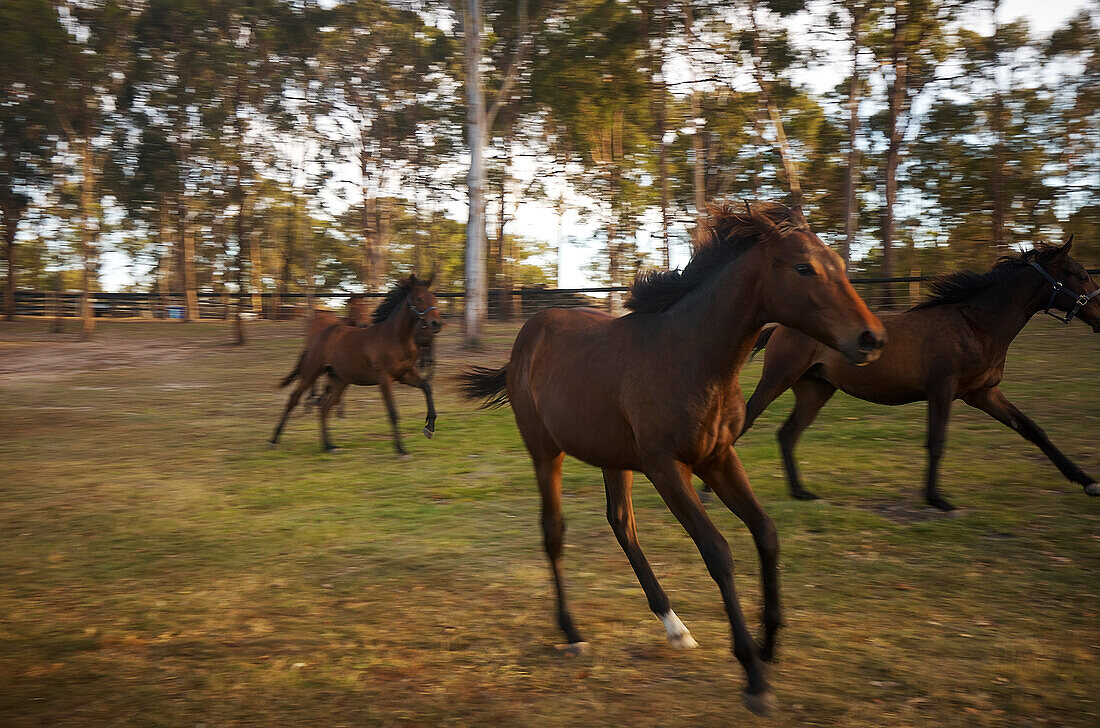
(869, 341)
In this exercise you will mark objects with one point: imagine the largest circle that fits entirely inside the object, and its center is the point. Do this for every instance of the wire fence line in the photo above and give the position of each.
(879, 293)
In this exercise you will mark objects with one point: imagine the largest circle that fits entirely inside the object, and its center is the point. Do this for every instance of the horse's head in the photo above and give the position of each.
(806, 287)
(1072, 290)
(424, 304)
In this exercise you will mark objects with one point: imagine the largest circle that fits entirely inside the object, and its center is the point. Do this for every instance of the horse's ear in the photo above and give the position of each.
(797, 216)
(431, 279)
(1068, 245)
(410, 281)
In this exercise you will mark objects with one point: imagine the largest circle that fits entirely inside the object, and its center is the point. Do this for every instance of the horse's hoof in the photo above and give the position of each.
(767, 653)
(429, 433)
(333, 449)
(761, 703)
(705, 496)
(271, 444)
(682, 641)
(804, 495)
(403, 456)
(940, 503)
(1092, 489)
(574, 649)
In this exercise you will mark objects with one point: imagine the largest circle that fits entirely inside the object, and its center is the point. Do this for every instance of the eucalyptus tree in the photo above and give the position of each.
(910, 42)
(389, 78)
(1075, 97)
(30, 36)
(586, 72)
(480, 115)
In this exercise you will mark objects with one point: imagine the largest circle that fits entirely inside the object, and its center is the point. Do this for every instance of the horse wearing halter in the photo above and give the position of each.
(1081, 299)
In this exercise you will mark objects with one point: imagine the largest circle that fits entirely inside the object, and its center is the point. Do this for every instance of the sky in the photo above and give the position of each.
(537, 219)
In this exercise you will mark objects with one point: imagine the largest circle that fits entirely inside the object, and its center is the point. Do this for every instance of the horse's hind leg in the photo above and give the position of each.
(291, 403)
(334, 391)
(620, 514)
(673, 482)
(727, 478)
(548, 473)
(993, 402)
(810, 395)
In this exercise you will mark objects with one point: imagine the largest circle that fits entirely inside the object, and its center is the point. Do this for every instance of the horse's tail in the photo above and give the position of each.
(762, 339)
(487, 384)
(295, 373)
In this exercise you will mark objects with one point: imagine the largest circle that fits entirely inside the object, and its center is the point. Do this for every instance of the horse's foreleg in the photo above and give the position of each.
(413, 379)
(727, 478)
(548, 473)
(620, 514)
(993, 402)
(810, 395)
(386, 385)
(336, 389)
(673, 482)
(939, 410)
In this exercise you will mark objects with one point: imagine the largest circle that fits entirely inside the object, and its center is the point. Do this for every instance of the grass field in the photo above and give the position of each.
(160, 566)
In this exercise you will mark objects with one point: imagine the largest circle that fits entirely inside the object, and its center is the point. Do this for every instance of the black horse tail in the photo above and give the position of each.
(762, 339)
(295, 373)
(487, 384)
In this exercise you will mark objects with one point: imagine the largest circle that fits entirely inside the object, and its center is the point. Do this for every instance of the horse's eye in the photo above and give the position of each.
(804, 269)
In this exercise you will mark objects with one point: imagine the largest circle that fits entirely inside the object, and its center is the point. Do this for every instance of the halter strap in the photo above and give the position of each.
(421, 314)
(1080, 299)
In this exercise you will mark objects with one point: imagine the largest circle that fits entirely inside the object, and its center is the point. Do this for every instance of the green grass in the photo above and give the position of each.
(162, 567)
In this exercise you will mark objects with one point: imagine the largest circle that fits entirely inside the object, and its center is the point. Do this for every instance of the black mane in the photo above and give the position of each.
(390, 303)
(727, 233)
(966, 284)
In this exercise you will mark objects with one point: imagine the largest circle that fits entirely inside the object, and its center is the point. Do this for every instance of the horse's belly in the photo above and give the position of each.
(596, 437)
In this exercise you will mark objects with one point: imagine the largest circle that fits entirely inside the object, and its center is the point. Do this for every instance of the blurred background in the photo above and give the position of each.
(244, 158)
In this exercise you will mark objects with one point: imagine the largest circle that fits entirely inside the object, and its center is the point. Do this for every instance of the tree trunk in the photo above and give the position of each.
(897, 95)
(851, 210)
(660, 91)
(997, 124)
(187, 262)
(699, 168)
(241, 235)
(476, 294)
(256, 271)
(87, 241)
(12, 211)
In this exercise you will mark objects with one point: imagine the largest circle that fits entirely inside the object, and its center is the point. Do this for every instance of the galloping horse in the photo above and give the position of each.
(381, 354)
(951, 346)
(657, 391)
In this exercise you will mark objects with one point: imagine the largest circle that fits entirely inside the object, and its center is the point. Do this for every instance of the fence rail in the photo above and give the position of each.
(880, 293)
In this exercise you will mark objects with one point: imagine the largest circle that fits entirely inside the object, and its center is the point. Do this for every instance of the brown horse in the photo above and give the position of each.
(378, 354)
(359, 315)
(952, 346)
(657, 391)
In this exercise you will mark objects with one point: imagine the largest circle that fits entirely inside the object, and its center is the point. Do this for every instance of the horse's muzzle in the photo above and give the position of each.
(435, 326)
(868, 347)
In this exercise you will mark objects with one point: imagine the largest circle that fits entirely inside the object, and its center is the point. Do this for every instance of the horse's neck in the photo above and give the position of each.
(717, 326)
(1004, 310)
(402, 323)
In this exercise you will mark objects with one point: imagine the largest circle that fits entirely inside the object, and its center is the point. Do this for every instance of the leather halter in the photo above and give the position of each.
(1081, 299)
(421, 314)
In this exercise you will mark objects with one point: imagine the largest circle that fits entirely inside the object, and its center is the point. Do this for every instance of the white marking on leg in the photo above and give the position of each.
(678, 634)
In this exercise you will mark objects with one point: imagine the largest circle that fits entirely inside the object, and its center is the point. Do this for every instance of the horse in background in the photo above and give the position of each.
(951, 346)
(657, 391)
(379, 354)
